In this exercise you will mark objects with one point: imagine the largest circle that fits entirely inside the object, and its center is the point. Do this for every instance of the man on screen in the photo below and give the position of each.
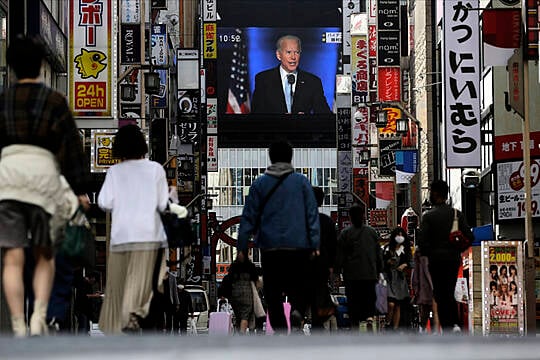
(285, 88)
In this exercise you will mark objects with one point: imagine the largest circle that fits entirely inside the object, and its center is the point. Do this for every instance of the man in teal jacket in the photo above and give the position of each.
(281, 213)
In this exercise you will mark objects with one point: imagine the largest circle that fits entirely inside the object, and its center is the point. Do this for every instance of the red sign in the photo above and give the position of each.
(389, 83)
(90, 95)
(372, 40)
(508, 147)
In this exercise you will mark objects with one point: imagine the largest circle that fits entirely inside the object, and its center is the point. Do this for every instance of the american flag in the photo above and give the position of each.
(238, 101)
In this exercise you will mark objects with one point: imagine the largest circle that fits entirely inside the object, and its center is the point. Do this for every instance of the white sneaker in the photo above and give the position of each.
(456, 329)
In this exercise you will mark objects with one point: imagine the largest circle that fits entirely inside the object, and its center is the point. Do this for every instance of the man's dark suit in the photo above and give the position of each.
(269, 96)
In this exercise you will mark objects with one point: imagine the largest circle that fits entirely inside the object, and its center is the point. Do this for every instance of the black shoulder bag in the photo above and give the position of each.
(267, 197)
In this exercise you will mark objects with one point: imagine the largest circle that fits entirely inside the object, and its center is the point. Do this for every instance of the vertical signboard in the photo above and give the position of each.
(209, 10)
(389, 82)
(130, 46)
(510, 189)
(159, 45)
(101, 150)
(90, 60)
(131, 11)
(349, 7)
(211, 156)
(462, 79)
(359, 67)
(210, 41)
(502, 290)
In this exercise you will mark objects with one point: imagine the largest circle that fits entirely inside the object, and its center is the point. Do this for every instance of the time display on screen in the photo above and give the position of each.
(229, 38)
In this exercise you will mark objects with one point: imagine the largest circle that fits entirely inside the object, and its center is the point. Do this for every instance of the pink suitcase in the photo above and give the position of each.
(220, 323)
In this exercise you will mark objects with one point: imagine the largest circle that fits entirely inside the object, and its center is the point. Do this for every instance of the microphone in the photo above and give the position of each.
(291, 79)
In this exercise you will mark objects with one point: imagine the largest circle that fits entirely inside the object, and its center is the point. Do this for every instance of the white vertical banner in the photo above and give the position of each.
(212, 153)
(349, 8)
(462, 83)
(209, 10)
(91, 62)
(130, 11)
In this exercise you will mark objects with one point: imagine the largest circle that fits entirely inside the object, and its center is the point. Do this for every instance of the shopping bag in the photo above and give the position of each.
(461, 293)
(381, 291)
(456, 237)
(79, 241)
(177, 228)
(258, 308)
(220, 322)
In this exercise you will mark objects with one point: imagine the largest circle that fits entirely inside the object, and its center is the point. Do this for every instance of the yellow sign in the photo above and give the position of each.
(101, 150)
(393, 115)
(210, 41)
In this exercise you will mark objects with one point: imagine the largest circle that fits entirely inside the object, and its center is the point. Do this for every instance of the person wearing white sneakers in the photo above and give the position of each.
(39, 142)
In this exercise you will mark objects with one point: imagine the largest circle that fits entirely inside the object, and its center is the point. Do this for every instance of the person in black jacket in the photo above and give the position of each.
(444, 258)
(359, 258)
(274, 87)
(323, 267)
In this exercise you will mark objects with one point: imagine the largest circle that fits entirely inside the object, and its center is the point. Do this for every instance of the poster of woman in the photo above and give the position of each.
(503, 279)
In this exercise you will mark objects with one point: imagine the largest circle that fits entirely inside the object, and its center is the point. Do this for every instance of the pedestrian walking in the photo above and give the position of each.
(41, 149)
(281, 213)
(184, 310)
(136, 191)
(242, 274)
(397, 258)
(443, 257)
(323, 268)
(359, 260)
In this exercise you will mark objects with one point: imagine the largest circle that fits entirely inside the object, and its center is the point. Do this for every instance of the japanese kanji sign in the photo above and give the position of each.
(90, 58)
(511, 192)
(101, 150)
(462, 79)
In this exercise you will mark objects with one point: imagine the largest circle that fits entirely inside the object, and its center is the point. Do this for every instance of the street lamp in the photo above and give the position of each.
(365, 155)
(151, 82)
(128, 92)
(402, 126)
(382, 119)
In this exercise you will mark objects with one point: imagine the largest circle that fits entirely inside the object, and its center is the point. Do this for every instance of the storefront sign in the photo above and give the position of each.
(210, 41)
(388, 48)
(502, 290)
(159, 44)
(101, 150)
(462, 76)
(90, 58)
(131, 11)
(389, 83)
(130, 52)
(510, 190)
(212, 153)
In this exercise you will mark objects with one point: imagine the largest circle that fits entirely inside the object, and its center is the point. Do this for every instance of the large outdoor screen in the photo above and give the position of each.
(247, 32)
(245, 52)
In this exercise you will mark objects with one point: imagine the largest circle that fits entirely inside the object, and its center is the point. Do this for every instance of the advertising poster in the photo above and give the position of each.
(101, 150)
(502, 287)
(511, 189)
(90, 59)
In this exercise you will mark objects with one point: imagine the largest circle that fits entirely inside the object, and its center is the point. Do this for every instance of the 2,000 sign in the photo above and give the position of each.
(501, 257)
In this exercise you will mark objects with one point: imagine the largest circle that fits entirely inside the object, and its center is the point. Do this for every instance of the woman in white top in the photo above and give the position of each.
(135, 191)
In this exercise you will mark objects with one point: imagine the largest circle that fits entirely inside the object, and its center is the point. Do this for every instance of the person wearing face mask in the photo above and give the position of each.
(285, 89)
(397, 258)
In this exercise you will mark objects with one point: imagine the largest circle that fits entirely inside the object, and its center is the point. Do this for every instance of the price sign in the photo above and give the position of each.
(511, 193)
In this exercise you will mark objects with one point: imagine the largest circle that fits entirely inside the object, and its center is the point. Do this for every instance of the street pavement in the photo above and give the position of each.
(314, 347)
